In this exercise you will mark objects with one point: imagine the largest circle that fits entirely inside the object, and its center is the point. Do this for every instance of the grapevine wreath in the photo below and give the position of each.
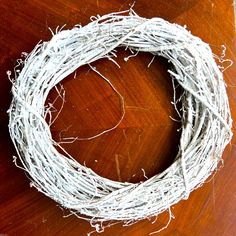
(206, 120)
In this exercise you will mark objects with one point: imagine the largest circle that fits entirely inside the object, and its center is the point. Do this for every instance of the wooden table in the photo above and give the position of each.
(146, 139)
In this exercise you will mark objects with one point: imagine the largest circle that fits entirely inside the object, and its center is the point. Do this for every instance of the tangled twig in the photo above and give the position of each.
(206, 119)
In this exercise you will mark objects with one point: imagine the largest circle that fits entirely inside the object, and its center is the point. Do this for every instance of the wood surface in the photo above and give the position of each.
(146, 139)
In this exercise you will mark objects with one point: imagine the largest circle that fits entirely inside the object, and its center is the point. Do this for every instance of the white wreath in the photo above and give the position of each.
(206, 119)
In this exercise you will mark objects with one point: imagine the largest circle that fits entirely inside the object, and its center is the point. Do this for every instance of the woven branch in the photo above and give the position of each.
(206, 119)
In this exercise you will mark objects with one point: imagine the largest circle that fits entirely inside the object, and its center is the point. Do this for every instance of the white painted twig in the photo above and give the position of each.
(206, 119)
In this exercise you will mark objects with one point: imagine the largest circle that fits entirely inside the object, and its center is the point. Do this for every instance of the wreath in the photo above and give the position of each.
(205, 119)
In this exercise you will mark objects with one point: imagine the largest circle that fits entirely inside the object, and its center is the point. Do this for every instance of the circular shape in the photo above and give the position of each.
(206, 119)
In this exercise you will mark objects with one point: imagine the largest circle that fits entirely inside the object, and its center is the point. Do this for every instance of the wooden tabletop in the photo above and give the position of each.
(146, 138)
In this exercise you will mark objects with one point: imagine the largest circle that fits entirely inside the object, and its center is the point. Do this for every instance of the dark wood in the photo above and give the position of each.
(146, 138)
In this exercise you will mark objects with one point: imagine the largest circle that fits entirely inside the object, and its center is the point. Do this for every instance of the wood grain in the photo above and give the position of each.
(146, 139)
